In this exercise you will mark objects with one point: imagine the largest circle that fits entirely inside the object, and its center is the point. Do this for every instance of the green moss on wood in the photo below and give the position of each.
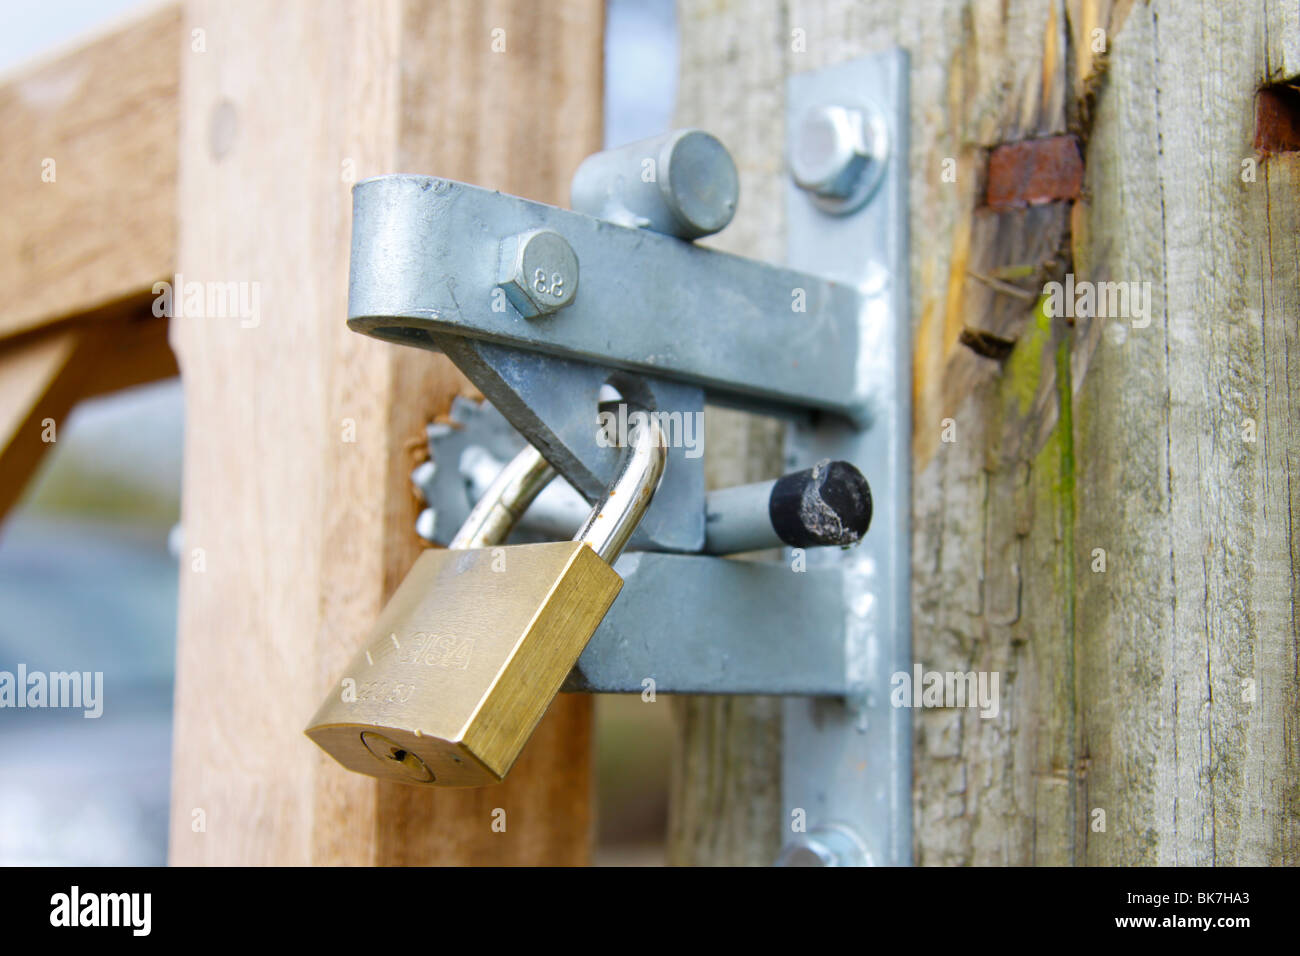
(1023, 371)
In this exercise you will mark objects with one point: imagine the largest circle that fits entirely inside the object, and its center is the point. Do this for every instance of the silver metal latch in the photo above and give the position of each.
(552, 312)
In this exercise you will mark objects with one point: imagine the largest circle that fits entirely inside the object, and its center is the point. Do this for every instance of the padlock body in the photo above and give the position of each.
(464, 661)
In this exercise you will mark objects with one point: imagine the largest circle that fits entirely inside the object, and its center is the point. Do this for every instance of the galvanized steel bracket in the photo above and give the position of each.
(824, 342)
(436, 264)
(847, 761)
(426, 261)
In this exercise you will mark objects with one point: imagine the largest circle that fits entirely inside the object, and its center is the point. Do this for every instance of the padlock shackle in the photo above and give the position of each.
(618, 512)
(612, 520)
(505, 500)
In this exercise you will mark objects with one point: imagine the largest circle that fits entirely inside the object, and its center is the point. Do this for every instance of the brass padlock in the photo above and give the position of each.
(476, 641)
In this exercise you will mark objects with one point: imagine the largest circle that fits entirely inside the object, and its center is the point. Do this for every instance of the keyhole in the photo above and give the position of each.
(408, 763)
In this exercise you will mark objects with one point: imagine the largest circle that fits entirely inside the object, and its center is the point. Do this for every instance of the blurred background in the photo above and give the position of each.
(88, 581)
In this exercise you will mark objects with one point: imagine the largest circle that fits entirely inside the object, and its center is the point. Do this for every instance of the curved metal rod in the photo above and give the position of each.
(619, 510)
(611, 522)
(505, 500)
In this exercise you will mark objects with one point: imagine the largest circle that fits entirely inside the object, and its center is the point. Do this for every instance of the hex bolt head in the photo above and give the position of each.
(837, 155)
(538, 272)
(833, 845)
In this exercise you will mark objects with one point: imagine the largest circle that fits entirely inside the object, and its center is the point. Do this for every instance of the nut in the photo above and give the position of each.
(538, 272)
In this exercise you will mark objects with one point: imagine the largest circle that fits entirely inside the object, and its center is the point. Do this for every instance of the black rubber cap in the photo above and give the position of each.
(827, 504)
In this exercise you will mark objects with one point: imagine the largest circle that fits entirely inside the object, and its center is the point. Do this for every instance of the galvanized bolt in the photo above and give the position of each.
(838, 154)
(422, 474)
(682, 184)
(426, 525)
(831, 845)
(538, 272)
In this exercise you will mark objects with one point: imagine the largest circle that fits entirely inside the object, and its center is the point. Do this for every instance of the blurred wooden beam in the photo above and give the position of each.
(88, 146)
(43, 376)
(34, 393)
(300, 435)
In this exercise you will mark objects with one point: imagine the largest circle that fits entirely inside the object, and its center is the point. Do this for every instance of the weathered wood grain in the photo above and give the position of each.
(1122, 690)
(301, 435)
(1185, 441)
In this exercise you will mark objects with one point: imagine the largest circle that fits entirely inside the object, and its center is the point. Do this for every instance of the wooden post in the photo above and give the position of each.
(725, 801)
(1103, 512)
(300, 435)
(1101, 507)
